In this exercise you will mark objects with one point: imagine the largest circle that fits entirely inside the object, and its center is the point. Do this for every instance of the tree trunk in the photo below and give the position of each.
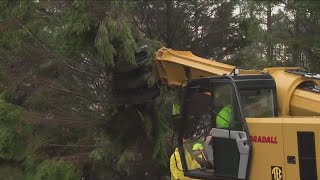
(169, 7)
(269, 33)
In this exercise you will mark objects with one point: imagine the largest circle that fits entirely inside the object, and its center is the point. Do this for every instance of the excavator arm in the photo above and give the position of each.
(177, 67)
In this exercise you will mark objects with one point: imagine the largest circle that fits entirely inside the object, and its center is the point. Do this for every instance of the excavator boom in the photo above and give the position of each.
(177, 67)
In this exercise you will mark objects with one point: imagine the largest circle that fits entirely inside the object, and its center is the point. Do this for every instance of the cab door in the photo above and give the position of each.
(212, 116)
(230, 153)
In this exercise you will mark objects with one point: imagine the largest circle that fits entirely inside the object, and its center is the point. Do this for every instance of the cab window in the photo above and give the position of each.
(225, 107)
(257, 103)
(198, 125)
(206, 108)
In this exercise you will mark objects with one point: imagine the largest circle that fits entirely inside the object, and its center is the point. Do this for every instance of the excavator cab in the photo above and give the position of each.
(213, 114)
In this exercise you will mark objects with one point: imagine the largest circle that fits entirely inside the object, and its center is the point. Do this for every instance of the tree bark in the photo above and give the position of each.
(269, 33)
(169, 7)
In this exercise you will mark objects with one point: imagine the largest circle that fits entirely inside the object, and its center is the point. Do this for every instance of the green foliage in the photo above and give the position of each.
(97, 154)
(10, 144)
(9, 115)
(127, 160)
(115, 43)
(78, 24)
(104, 46)
(32, 157)
(55, 169)
(165, 124)
(13, 15)
(11, 132)
(11, 173)
(152, 46)
(159, 151)
(79, 29)
(148, 128)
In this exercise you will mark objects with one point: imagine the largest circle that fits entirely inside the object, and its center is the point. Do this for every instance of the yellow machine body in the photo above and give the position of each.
(292, 100)
(274, 140)
(284, 133)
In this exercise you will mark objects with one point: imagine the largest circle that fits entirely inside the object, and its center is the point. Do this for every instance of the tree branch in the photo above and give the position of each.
(140, 114)
(74, 145)
(64, 90)
(55, 56)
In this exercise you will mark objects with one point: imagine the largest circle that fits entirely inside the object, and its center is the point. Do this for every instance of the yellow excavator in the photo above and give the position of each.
(274, 129)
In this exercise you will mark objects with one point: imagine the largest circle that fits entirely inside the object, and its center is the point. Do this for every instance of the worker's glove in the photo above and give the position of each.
(203, 163)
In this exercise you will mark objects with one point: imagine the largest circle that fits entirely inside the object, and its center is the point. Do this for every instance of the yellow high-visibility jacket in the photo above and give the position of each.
(224, 117)
(176, 166)
(195, 164)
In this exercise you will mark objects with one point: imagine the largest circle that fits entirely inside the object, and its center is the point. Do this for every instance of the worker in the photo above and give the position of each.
(200, 159)
(176, 166)
(198, 156)
(176, 108)
(224, 117)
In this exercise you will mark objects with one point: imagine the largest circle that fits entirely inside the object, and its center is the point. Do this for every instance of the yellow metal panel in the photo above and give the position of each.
(172, 74)
(266, 153)
(175, 67)
(292, 101)
(290, 128)
(195, 73)
(304, 103)
(286, 84)
(186, 58)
